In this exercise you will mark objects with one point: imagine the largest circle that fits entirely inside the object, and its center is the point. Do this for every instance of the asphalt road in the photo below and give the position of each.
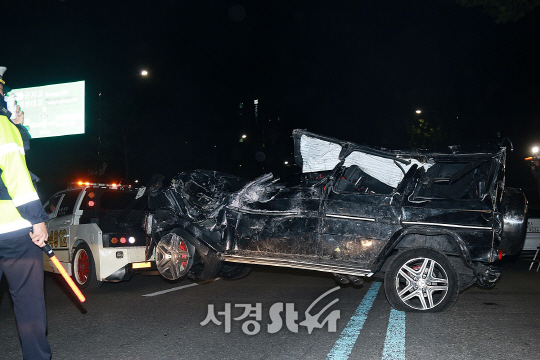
(150, 318)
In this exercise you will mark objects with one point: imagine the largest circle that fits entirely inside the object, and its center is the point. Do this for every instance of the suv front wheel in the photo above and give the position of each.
(421, 279)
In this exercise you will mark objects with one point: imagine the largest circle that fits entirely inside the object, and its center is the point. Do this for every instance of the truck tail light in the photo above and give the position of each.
(500, 254)
(122, 240)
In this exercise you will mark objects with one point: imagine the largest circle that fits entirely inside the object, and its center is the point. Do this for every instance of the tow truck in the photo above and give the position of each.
(100, 232)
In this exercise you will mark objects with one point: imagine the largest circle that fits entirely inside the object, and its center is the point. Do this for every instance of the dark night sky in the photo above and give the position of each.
(354, 70)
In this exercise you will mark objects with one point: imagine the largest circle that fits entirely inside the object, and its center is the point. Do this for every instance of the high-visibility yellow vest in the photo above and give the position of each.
(20, 207)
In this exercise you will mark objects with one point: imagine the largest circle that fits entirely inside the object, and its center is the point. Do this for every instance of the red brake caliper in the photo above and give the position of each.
(415, 268)
(82, 267)
(183, 247)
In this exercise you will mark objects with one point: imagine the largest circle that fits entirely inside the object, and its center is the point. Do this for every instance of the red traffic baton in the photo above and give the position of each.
(50, 253)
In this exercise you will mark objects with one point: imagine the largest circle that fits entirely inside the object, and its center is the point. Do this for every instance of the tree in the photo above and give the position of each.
(503, 10)
(423, 135)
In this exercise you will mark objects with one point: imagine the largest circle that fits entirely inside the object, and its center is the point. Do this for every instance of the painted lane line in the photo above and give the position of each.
(344, 345)
(394, 345)
(173, 289)
(170, 290)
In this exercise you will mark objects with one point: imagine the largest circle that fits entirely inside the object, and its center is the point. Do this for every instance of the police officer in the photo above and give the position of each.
(22, 233)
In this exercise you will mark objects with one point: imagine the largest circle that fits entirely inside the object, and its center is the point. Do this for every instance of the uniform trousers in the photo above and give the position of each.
(22, 263)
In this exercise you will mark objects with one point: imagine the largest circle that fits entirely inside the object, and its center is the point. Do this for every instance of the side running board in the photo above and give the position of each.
(297, 264)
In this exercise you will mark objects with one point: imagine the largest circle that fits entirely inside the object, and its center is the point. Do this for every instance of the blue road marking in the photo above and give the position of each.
(394, 345)
(344, 345)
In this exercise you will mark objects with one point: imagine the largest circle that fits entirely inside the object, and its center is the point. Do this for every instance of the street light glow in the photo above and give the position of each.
(144, 73)
(535, 149)
(418, 111)
(244, 136)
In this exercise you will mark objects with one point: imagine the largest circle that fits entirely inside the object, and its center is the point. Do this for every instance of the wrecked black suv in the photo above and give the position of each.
(431, 223)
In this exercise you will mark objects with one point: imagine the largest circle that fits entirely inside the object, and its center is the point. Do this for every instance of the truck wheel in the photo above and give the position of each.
(421, 279)
(84, 268)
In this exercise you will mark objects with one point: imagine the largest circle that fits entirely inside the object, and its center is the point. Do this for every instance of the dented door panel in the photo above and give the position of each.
(355, 227)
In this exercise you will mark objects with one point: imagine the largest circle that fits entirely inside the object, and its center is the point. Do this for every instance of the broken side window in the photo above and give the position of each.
(456, 180)
(354, 180)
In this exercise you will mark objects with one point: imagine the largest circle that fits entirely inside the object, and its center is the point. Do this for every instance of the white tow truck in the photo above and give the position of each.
(532, 238)
(98, 232)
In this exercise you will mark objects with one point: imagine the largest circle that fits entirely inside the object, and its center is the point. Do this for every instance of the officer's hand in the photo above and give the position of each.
(39, 234)
(20, 116)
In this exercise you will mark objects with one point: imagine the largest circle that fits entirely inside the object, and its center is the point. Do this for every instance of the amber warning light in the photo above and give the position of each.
(47, 249)
(87, 183)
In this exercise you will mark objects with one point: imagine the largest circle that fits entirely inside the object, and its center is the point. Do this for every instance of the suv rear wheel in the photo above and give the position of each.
(421, 279)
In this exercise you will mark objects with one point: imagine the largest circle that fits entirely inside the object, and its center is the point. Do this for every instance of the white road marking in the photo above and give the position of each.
(173, 289)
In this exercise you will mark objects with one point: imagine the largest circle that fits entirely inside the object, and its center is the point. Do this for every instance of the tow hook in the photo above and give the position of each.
(345, 279)
(342, 279)
(496, 254)
(486, 276)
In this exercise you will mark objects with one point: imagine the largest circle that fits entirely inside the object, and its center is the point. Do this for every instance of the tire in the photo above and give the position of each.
(234, 271)
(84, 268)
(206, 265)
(421, 280)
(514, 213)
(180, 254)
(174, 255)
